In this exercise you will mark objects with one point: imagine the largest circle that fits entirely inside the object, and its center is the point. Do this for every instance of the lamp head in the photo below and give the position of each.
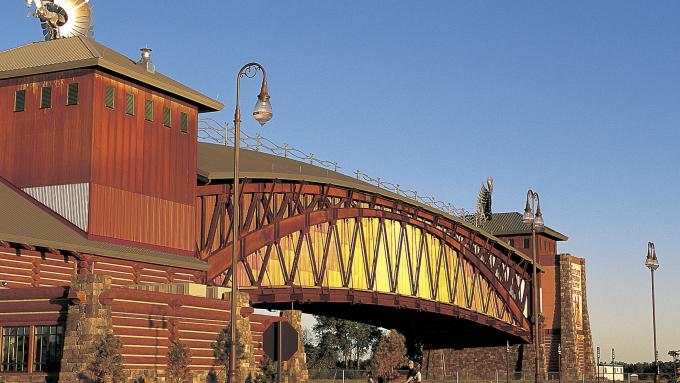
(263, 108)
(651, 262)
(538, 220)
(528, 216)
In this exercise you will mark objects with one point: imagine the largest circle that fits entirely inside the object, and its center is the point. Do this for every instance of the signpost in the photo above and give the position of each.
(280, 343)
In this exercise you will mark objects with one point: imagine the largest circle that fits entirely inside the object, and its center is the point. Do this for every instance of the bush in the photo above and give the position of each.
(222, 348)
(179, 356)
(389, 356)
(106, 365)
(267, 373)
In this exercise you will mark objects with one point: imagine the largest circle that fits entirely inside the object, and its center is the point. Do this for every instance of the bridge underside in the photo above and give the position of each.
(435, 325)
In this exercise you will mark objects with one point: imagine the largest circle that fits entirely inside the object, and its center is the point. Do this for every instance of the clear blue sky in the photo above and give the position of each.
(578, 100)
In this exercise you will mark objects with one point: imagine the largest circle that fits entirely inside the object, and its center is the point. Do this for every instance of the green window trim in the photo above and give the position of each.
(72, 97)
(109, 97)
(129, 104)
(185, 123)
(148, 110)
(20, 100)
(46, 97)
(167, 117)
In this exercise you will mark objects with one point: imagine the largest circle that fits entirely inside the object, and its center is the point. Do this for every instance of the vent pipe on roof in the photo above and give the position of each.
(146, 60)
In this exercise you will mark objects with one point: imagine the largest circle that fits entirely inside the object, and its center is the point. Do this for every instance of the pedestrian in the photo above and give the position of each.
(419, 376)
(411, 377)
(370, 378)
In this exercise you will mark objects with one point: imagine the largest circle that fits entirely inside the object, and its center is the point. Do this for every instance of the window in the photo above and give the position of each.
(72, 98)
(129, 104)
(15, 349)
(108, 98)
(167, 117)
(20, 100)
(148, 110)
(48, 347)
(185, 122)
(511, 242)
(46, 98)
(526, 243)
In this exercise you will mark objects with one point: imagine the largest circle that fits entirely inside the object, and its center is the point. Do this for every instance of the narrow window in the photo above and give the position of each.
(46, 98)
(130, 104)
(20, 100)
(48, 347)
(148, 110)
(511, 242)
(15, 349)
(108, 99)
(185, 122)
(526, 243)
(167, 117)
(72, 98)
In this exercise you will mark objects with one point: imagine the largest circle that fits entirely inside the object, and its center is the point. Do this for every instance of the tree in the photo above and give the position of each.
(267, 373)
(349, 340)
(179, 356)
(222, 347)
(106, 364)
(389, 356)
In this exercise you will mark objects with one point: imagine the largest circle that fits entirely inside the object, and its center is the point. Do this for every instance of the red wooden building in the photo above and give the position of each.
(98, 183)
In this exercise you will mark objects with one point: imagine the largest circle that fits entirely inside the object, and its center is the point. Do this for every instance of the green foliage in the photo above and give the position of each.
(340, 338)
(222, 347)
(179, 356)
(390, 354)
(267, 373)
(106, 364)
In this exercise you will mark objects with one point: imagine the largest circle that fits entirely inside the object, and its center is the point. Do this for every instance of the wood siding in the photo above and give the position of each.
(46, 146)
(140, 218)
(140, 156)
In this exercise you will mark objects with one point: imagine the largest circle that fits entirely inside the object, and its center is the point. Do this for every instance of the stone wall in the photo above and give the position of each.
(296, 367)
(574, 336)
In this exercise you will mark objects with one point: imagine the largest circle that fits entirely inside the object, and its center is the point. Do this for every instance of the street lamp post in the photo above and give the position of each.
(536, 221)
(653, 263)
(262, 113)
(507, 361)
(559, 362)
(598, 364)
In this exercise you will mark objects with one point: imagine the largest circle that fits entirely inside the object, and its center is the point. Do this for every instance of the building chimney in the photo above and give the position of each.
(146, 60)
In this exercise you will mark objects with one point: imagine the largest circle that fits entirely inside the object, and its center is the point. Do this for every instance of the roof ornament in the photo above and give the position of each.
(63, 18)
(483, 213)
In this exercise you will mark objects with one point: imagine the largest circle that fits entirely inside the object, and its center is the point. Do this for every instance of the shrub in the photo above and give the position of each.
(179, 356)
(106, 365)
(389, 356)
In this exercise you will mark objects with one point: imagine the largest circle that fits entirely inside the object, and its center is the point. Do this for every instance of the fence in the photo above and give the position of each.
(357, 376)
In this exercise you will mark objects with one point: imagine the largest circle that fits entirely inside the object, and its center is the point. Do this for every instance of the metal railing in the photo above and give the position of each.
(210, 130)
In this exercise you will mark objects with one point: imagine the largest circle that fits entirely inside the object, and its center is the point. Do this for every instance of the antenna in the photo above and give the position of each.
(63, 18)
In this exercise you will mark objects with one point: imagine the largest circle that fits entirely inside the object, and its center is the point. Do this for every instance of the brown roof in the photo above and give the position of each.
(502, 224)
(24, 222)
(215, 162)
(82, 52)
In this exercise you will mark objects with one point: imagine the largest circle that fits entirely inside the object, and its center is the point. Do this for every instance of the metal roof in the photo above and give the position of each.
(215, 162)
(503, 224)
(81, 52)
(25, 222)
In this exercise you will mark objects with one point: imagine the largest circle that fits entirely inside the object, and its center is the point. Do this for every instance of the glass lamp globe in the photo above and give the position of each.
(263, 110)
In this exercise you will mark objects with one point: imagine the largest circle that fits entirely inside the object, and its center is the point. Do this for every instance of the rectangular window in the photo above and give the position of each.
(48, 347)
(511, 242)
(15, 349)
(20, 100)
(185, 122)
(72, 98)
(108, 98)
(167, 117)
(129, 104)
(148, 110)
(46, 98)
(526, 243)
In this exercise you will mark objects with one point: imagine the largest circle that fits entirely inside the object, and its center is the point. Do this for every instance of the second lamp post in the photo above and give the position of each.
(653, 263)
(536, 222)
(262, 113)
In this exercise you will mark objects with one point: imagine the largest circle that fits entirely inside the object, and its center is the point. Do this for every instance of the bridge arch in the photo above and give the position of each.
(314, 243)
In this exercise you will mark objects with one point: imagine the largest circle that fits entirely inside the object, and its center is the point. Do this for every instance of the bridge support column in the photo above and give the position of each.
(297, 365)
